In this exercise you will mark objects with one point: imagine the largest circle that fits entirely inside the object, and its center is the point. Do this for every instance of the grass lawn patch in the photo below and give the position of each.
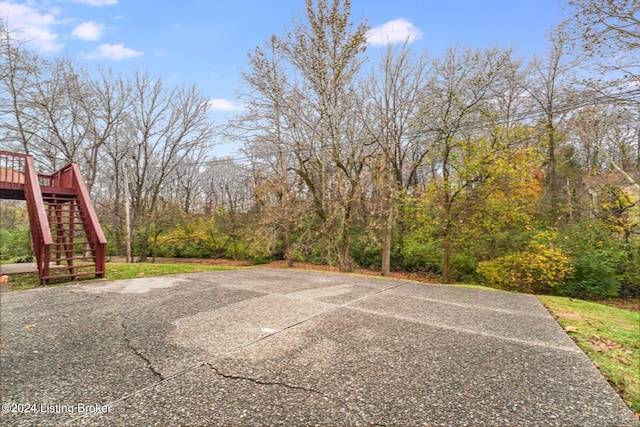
(609, 336)
(116, 271)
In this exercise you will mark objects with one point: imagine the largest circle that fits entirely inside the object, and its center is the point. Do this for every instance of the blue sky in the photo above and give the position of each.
(205, 42)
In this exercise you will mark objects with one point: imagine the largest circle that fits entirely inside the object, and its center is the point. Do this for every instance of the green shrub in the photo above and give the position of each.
(463, 267)
(595, 276)
(538, 269)
(15, 242)
(423, 257)
(606, 266)
(21, 259)
(194, 249)
(366, 250)
(629, 272)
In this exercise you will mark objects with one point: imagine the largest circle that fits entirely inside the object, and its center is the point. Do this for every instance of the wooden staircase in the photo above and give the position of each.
(67, 238)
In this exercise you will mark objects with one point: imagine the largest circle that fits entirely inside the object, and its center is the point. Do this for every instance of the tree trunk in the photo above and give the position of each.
(288, 250)
(387, 237)
(144, 245)
(446, 256)
(344, 255)
(551, 159)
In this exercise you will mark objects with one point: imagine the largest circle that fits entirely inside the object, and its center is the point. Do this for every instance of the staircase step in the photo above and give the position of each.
(62, 247)
(66, 276)
(67, 223)
(68, 267)
(75, 242)
(66, 219)
(73, 259)
(66, 243)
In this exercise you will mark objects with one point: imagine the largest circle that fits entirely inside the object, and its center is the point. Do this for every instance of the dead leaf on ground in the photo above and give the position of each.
(623, 360)
(571, 329)
(603, 345)
(30, 325)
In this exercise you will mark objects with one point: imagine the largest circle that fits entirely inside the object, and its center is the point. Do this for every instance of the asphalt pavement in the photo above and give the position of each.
(262, 346)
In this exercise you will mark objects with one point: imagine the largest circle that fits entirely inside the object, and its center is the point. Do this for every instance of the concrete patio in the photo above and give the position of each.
(286, 347)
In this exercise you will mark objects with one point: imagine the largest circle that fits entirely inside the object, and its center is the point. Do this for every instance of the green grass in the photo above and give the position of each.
(609, 336)
(117, 271)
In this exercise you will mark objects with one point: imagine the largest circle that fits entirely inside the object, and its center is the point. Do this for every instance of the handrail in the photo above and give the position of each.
(40, 229)
(20, 180)
(12, 170)
(70, 177)
(96, 234)
(12, 154)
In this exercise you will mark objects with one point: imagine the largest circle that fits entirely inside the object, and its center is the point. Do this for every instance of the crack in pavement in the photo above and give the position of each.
(203, 362)
(259, 382)
(138, 353)
(356, 411)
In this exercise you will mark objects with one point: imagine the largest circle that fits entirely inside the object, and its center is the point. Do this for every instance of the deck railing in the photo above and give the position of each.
(70, 177)
(19, 180)
(18, 175)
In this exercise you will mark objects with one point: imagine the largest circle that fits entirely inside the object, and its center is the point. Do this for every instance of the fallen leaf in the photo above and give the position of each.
(30, 325)
(622, 359)
(612, 344)
(571, 329)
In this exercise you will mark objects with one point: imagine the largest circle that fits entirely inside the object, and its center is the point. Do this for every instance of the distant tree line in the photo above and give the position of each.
(473, 166)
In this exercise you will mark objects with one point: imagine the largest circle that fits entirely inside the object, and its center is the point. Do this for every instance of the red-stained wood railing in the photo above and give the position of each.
(12, 167)
(39, 224)
(69, 177)
(19, 180)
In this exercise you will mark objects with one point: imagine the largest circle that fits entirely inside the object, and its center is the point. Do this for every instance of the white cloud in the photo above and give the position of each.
(396, 31)
(117, 52)
(30, 25)
(97, 2)
(224, 105)
(88, 31)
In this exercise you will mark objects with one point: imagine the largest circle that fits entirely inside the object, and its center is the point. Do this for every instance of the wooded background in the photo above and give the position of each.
(474, 166)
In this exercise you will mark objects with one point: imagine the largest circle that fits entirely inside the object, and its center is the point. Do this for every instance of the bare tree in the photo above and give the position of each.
(609, 30)
(19, 71)
(396, 91)
(266, 130)
(104, 108)
(325, 54)
(549, 89)
(165, 127)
